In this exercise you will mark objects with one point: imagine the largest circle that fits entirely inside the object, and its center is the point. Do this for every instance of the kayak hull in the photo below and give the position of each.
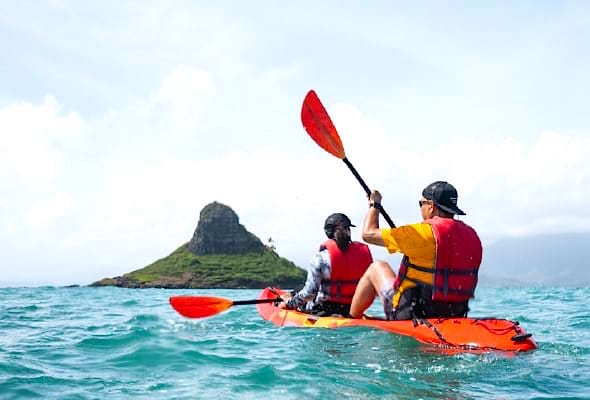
(470, 334)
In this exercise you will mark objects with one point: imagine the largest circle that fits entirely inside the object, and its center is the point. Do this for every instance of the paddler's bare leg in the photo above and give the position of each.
(377, 280)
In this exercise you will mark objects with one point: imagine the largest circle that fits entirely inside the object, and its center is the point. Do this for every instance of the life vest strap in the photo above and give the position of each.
(446, 273)
(419, 268)
(450, 271)
(342, 281)
(441, 288)
(461, 271)
(448, 290)
(338, 284)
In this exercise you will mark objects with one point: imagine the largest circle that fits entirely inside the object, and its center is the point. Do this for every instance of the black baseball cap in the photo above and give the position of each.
(444, 196)
(336, 219)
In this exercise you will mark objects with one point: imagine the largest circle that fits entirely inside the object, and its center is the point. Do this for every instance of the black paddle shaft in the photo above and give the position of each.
(368, 191)
(257, 301)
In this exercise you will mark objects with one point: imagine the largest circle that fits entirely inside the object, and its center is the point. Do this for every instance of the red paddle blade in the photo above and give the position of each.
(199, 306)
(319, 126)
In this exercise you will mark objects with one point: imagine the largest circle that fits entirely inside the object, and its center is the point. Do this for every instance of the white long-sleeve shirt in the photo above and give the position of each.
(317, 288)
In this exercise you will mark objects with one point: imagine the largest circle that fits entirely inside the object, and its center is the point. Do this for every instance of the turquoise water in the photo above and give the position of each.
(111, 343)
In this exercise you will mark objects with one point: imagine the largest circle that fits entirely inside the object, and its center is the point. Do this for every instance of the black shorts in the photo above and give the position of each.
(329, 308)
(417, 303)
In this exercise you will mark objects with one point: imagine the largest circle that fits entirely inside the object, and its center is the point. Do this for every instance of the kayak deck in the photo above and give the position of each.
(470, 334)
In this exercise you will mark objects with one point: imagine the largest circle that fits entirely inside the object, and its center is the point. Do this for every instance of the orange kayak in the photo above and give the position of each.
(468, 334)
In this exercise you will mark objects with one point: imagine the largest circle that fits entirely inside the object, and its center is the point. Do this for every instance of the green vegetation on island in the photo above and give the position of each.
(183, 269)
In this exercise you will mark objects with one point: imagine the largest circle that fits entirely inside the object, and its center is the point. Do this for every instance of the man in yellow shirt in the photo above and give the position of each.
(438, 273)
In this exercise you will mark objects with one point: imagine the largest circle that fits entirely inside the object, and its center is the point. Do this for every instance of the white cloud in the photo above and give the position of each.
(48, 210)
(31, 139)
(179, 32)
(185, 90)
(56, 3)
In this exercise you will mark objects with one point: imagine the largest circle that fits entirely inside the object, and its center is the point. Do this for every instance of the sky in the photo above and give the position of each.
(121, 120)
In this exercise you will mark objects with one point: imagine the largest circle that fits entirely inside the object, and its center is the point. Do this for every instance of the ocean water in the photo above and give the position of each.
(112, 343)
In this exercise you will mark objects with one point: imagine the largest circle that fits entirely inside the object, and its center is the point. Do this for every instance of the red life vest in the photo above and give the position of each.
(458, 256)
(347, 268)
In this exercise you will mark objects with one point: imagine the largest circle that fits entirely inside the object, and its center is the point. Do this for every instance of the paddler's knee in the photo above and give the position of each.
(380, 271)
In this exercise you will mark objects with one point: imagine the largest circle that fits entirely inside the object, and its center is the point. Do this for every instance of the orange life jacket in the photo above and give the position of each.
(458, 256)
(347, 268)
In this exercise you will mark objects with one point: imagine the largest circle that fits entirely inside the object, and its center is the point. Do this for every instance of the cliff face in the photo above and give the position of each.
(221, 254)
(220, 232)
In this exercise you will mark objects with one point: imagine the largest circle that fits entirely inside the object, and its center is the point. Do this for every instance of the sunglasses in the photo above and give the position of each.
(422, 202)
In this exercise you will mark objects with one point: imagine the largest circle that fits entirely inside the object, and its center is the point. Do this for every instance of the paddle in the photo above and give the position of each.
(319, 126)
(206, 306)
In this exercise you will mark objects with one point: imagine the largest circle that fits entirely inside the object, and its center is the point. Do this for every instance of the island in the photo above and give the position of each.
(221, 254)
